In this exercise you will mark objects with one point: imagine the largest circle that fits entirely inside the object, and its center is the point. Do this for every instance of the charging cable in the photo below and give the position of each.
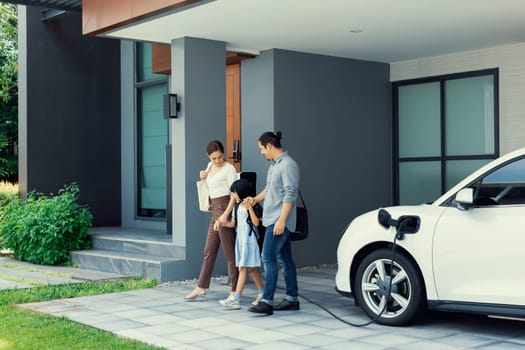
(387, 296)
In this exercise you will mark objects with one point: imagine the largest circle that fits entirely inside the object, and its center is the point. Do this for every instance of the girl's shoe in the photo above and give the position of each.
(256, 301)
(231, 304)
(229, 297)
(196, 295)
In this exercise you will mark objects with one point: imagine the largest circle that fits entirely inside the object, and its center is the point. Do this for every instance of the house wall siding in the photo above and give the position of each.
(509, 59)
(335, 116)
(72, 114)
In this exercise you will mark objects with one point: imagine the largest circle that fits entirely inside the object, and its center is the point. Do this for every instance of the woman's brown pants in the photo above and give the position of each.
(225, 237)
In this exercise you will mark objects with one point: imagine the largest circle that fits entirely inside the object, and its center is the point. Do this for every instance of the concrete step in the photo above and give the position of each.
(138, 245)
(161, 268)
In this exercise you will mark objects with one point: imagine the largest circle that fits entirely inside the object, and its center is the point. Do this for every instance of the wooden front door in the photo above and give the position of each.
(233, 115)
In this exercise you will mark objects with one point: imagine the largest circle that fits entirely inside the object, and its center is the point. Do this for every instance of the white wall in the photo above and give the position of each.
(509, 59)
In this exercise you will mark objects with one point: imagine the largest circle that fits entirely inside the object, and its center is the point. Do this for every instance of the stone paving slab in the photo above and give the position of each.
(161, 317)
(7, 284)
(19, 274)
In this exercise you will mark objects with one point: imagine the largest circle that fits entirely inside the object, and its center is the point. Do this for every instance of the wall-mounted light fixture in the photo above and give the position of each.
(171, 106)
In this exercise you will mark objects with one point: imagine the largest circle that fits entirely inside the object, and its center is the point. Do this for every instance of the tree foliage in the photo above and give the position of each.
(8, 92)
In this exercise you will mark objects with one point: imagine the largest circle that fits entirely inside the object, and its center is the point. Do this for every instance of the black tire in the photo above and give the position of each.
(406, 300)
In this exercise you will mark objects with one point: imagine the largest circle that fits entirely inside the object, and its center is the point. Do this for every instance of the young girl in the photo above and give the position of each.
(247, 255)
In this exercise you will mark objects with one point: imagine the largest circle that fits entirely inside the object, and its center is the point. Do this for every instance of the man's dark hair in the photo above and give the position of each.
(271, 138)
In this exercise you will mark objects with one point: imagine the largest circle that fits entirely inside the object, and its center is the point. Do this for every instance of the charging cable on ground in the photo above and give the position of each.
(404, 224)
(374, 320)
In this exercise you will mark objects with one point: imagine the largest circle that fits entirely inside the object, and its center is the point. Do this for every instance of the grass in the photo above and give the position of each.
(22, 329)
(27, 330)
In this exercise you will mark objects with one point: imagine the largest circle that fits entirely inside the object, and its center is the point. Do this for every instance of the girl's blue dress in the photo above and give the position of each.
(246, 248)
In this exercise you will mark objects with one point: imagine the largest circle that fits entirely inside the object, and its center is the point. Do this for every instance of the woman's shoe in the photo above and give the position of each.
(197, 294)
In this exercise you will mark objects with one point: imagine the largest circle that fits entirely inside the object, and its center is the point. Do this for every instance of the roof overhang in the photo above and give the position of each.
(64, 5)
(379, 30)
(51, 8)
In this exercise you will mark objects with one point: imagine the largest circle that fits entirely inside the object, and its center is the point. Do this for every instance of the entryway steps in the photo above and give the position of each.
(132, 252)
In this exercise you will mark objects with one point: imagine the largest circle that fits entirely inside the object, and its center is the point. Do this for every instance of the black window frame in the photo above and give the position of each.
(138, 85)
(442, 158)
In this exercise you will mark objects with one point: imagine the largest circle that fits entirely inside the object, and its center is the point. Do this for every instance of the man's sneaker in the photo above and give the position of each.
(259, 297)
(230, 304)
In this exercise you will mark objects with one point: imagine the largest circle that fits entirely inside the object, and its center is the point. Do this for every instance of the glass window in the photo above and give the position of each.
(152, 136)
(152, 128)
(144, 64)
(419, 181)
(469, 116)
(419, 120)
(504, 186)
(513, 173)
(447, 127)
(457, 170)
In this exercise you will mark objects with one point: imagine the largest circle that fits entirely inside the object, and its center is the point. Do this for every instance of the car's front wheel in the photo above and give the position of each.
(374, 277)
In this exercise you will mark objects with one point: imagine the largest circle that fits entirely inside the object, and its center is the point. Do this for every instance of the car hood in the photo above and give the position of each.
(368, 224)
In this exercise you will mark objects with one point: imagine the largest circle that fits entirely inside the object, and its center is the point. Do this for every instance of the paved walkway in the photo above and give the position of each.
(159, 316)
(18, 274)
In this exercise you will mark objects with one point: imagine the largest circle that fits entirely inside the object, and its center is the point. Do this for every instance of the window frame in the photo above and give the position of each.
(137, 86)
(442, 158)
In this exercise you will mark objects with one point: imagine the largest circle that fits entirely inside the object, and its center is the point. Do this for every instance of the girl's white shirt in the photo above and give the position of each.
(219, 182)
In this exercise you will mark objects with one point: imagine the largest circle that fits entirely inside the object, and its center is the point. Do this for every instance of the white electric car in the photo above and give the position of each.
(464, 252)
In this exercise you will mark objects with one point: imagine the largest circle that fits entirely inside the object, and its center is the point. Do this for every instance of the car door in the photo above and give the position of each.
(478, 254)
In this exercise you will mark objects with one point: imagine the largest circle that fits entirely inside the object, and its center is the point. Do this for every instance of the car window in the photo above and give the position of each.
(504, 186)
(513, 173)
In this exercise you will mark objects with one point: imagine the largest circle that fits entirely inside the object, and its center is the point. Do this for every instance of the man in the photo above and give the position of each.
(279, 217)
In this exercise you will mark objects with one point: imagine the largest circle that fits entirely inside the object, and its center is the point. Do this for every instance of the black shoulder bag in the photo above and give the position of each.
(301, 226)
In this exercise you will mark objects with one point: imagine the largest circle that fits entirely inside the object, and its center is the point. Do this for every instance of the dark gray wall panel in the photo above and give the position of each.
(335, 115)
(257, 111)
(73, 113)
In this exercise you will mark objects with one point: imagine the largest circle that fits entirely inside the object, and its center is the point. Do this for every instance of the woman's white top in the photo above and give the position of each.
(219, 183)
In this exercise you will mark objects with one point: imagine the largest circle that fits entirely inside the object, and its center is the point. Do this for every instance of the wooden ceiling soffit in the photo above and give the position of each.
(99, 16)
(161, 58)
(236, 57)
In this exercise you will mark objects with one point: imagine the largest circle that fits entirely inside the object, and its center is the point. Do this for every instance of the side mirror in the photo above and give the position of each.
(465, 199)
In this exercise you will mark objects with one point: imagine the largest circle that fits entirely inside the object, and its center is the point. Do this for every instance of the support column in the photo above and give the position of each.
(198, 78)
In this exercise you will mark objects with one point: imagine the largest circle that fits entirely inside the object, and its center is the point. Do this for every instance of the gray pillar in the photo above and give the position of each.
(22, 100)
(198, 78)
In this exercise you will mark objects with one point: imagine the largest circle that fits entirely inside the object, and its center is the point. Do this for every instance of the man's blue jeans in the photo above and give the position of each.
(278, 247)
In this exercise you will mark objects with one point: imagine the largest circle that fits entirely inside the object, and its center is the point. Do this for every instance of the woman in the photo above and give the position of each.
(219, 176)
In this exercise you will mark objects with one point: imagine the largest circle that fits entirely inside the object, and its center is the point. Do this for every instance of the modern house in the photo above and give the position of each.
(380, 103)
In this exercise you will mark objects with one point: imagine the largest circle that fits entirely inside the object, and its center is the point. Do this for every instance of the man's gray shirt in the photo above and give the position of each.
(282, 185)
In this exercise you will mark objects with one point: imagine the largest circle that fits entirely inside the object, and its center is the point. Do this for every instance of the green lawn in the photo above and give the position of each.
(22, 329)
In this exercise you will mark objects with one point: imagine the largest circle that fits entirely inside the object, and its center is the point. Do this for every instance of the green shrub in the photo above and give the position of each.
(6, 198)
(44, 229)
